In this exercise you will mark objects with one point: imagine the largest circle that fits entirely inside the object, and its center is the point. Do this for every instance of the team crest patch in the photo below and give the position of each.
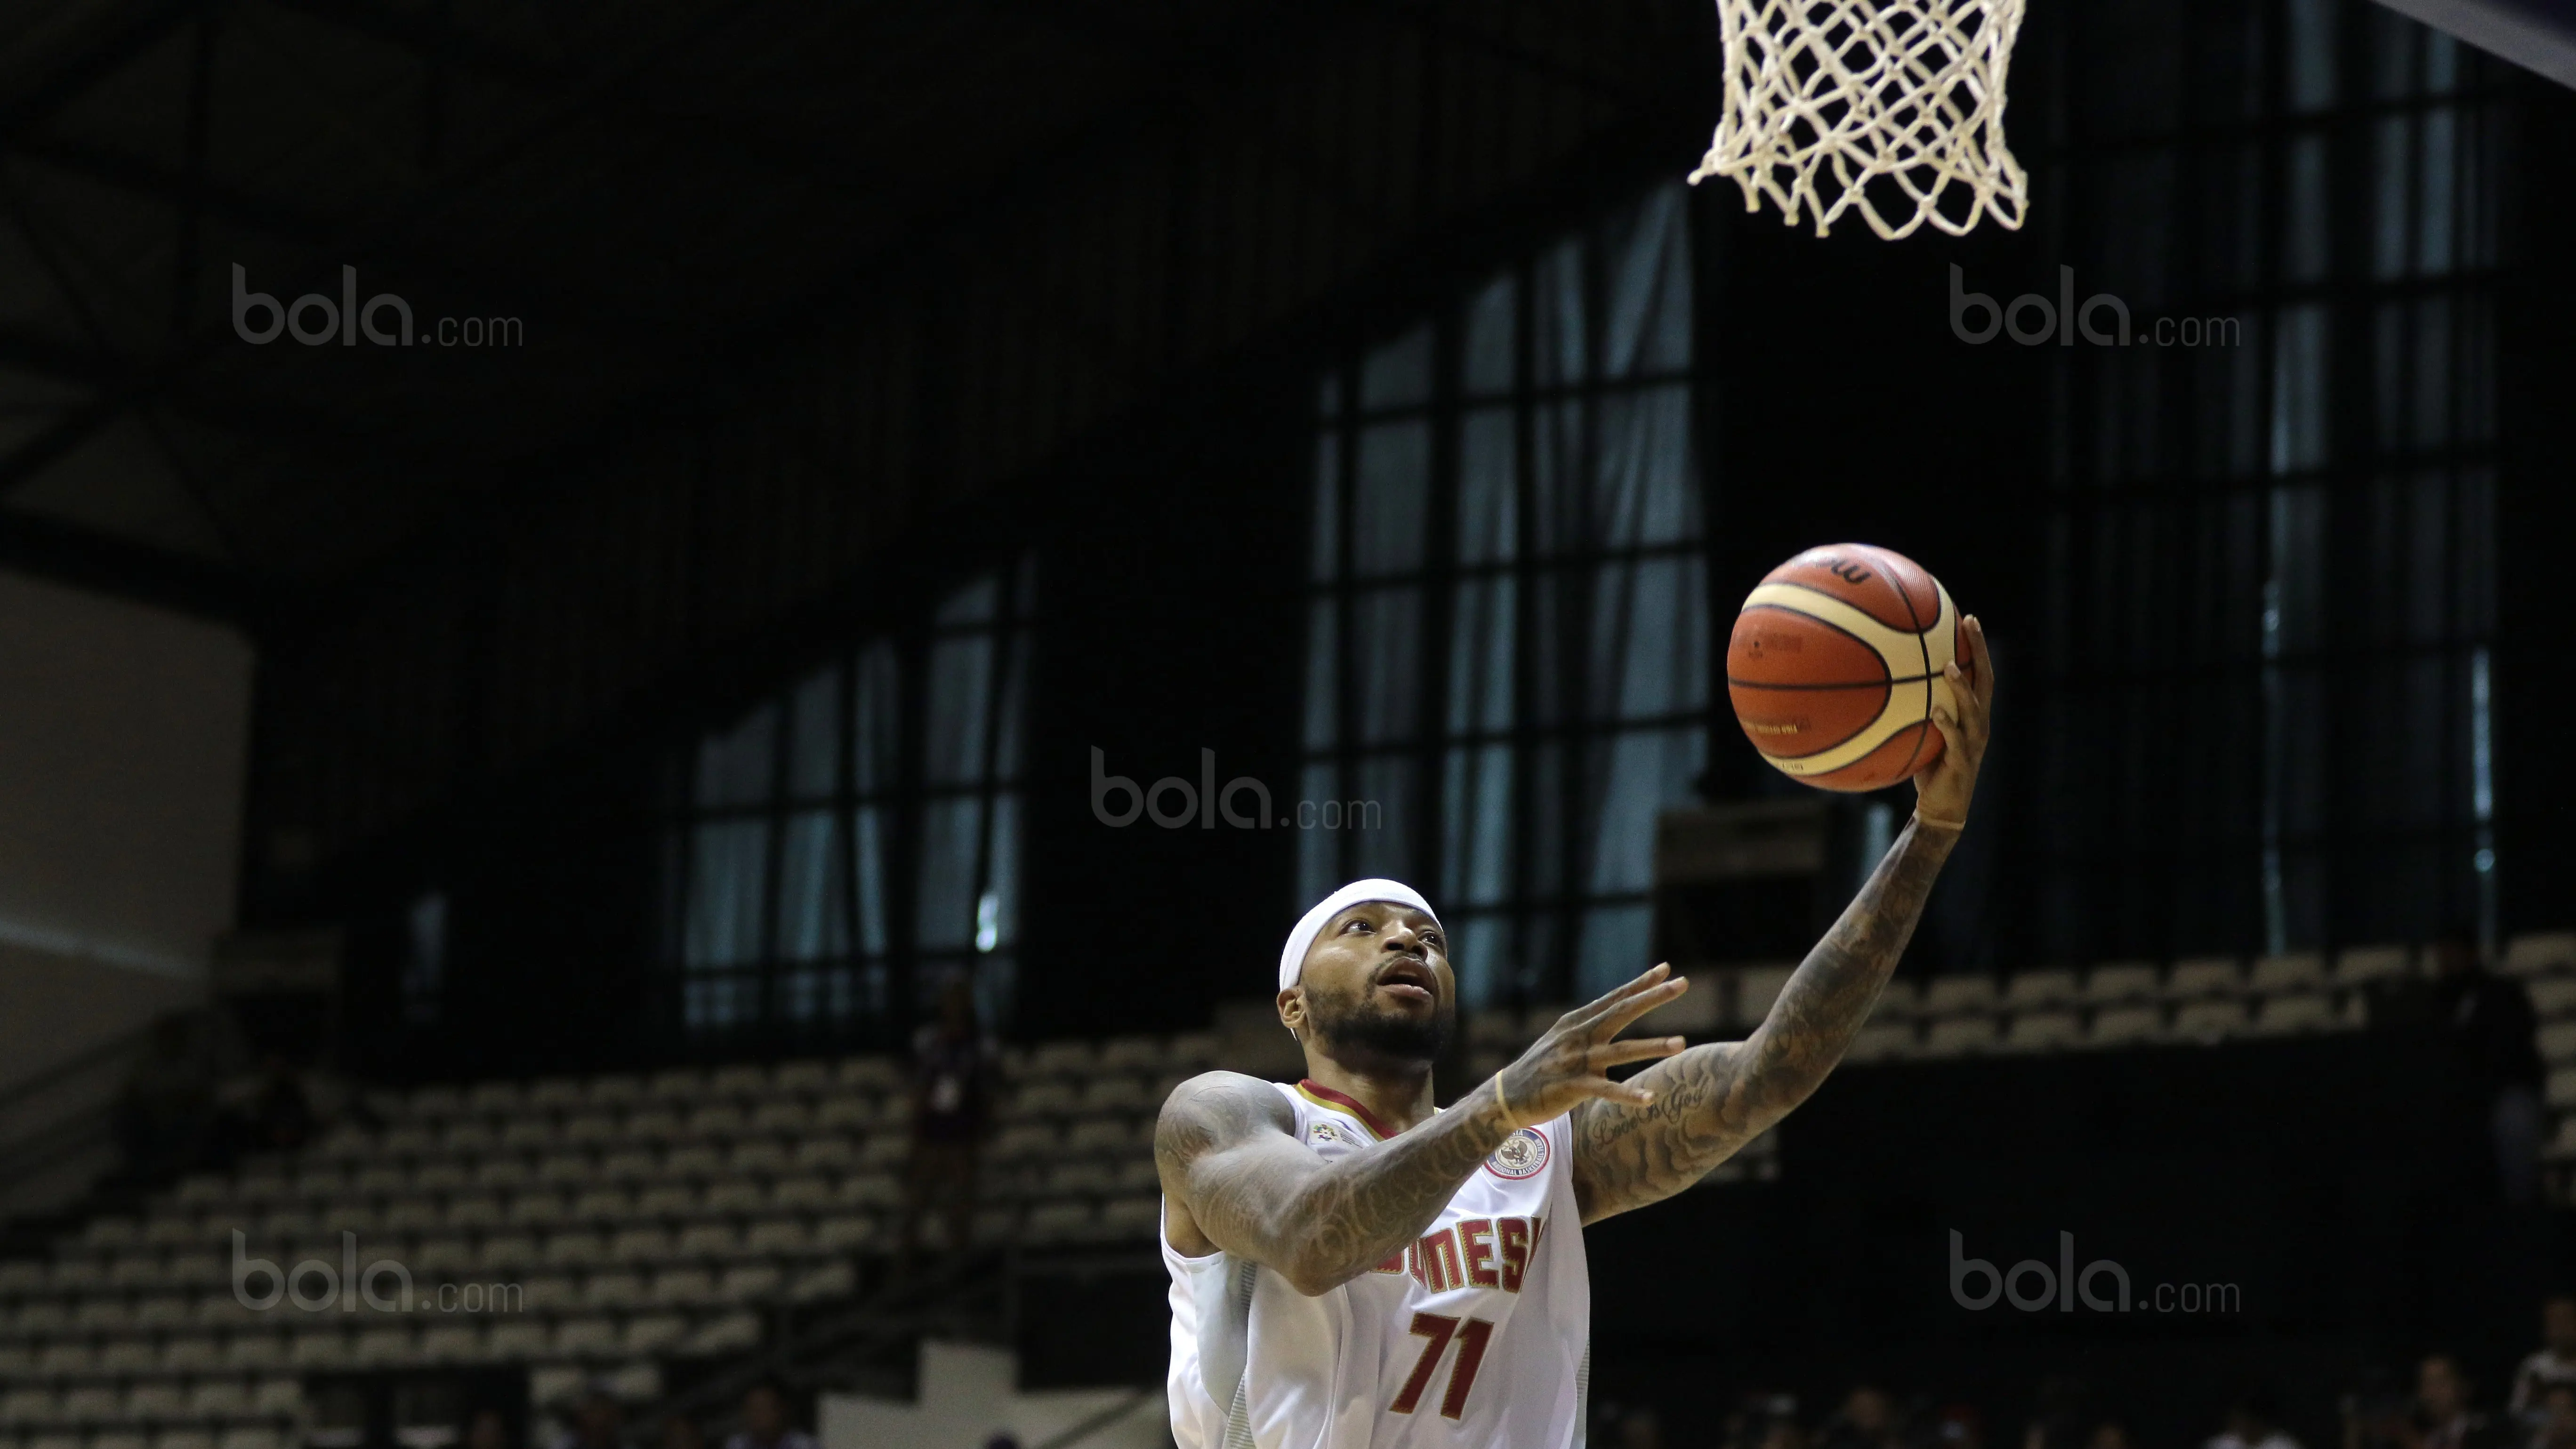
(1523, 1154)
(1325, 1132)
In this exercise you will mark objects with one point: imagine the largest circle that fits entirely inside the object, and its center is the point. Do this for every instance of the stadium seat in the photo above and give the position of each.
(653, 1333)
(748, 1283)
(708, 1240)
(736, 1197)
(2561, 1090)
(316, 1347)
(640, 1244)
(824, 1154)
(2360, 965)
(2562, 1148)
(1132, 1054)
(1882, 1041)
(2209, 1019)
(783, 1117)
(27, 1404)
(2035, 1031)
(190, 1353)
(219, 1398)
(807, 1078)
(258, 1349)
(616, 1090)
(1193, 1051)
(1130, 1217)
(509, 1252)
(1059, 1222)
(1073, 1058)
(1965, 994)
(845, 1232)
(1117, 1094)
(1493, 1027)
(836, 1278)
(2298, 971)
(2554, 997)
(1044, 1097)
(611, 1290)
(474, 1210)
(2558, 1042)
(2029, 990)
(382, 1345)
(1756, 988)
(1959, 1036)
(89, 1404)
(716, 1119)
(779, 1238)
(151, 1402)
(576, 1247)
(739, 1081)
(2541, 954)
(184, 1438)
(2119, 983)
(452, 1343)
(724, 1333)
(539, 1209)
(128, 1356)
(2127, 1025)
(1900, 1000)
(516, 1340)
(2201, 977)
(803, 1194)
(66, 1360)
(585, 1338)
(527, 1133)
(2292, 1012)
(633, 1164)
(873, 1189)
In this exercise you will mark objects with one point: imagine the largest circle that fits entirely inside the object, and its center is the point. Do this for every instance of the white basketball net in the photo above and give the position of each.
(1830, 101)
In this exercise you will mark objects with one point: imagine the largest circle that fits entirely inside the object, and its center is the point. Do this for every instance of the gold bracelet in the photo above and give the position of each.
(1503, 1105)
(1922, 819)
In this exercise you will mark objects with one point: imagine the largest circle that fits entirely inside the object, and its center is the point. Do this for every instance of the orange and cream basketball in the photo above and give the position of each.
(1836, 664)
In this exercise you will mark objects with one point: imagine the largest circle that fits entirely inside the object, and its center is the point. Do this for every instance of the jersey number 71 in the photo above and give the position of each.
(1471, 1335)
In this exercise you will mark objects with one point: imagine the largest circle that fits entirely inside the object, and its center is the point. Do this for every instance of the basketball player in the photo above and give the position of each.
(1351, 1267)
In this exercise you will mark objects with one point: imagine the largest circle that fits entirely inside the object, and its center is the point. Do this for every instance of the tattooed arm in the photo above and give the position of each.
(1235, 1176)
(1711, 1100)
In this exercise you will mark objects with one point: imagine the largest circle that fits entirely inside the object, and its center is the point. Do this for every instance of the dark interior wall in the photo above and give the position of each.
(2536, 507)
(1173, 623)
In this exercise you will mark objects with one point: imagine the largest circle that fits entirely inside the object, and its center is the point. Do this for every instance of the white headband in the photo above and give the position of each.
(1292, 957)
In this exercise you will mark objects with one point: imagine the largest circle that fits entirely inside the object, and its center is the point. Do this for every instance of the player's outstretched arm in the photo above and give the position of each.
(1234, 1172)
(1711, 1100)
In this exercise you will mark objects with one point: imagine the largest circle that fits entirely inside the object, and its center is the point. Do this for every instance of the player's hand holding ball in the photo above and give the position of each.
(1566, 1065)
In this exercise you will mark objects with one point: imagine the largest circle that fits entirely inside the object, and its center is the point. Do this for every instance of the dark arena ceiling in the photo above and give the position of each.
(587, 209)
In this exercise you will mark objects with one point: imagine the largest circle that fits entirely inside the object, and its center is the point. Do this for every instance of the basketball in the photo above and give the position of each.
(1836, 663)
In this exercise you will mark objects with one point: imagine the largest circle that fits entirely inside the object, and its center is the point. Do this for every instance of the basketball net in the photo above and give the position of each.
(1893, 107)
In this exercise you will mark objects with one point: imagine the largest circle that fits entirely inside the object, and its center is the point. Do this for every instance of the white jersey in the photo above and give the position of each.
(1476, 1335)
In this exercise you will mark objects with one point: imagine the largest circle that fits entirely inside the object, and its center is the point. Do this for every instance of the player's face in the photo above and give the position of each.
(1378, 979)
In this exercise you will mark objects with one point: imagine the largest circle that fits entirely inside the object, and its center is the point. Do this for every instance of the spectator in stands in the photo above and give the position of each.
(952, 1092)
(2253, 1422)
(1867, 1420)
(600, 1422)
(2552, 1365)
(2491, 1064)
(681, 1431)
(2440, 1417)
(166, 1112)
(487, 1429)
(2110, 1434)
(2555, 1426)
(765, 1421)
(281, 1116)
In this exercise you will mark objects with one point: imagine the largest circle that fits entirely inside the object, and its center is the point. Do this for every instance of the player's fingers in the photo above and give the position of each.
(1593, 1012)
(1983, 658)
(1634, 1049)
(1616, 1020)
(1947, 722)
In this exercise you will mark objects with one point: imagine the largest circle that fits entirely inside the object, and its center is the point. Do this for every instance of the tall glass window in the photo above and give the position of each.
(2271, 548)
(1507, 628)
(862, 822)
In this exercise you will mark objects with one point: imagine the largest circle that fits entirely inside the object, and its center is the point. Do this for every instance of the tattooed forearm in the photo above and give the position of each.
(1226, 1153)
(1711, 1100)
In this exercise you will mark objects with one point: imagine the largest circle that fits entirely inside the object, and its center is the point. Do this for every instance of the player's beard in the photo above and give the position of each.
(1353, 1023)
